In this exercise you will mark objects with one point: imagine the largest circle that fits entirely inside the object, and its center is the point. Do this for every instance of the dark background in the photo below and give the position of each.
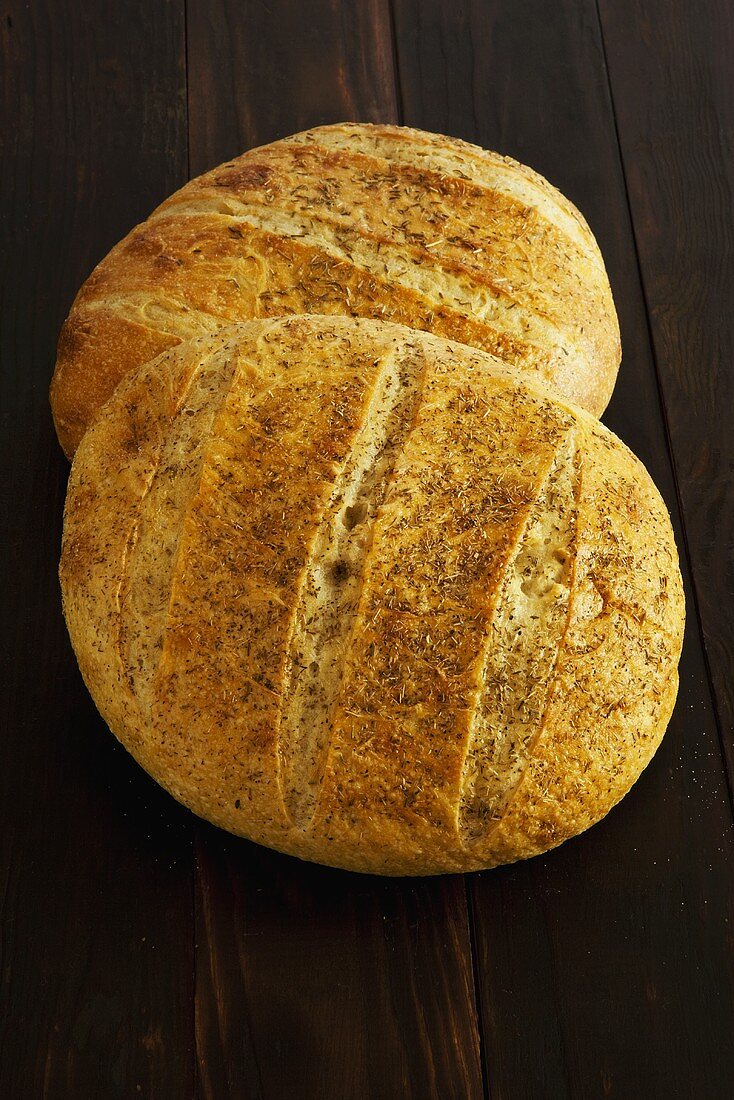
(144, 953)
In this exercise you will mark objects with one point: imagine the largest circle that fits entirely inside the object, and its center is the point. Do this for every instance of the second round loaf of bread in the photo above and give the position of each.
(371, 598)
(366, 221)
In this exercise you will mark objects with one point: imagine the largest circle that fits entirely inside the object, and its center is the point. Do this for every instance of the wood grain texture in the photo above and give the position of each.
(378, 1025)
(258, 72)
(672, 94)
(316, 983)
(627, 930)
(96, 962)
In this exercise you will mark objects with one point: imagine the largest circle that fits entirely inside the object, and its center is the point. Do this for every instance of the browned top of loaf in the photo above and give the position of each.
(373, 221)
(369, 597)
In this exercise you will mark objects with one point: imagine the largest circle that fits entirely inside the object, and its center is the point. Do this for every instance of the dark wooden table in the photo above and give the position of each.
(144, 953)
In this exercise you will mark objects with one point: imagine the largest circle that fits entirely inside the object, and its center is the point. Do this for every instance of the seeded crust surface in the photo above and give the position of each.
(373, 221)
(369, 597)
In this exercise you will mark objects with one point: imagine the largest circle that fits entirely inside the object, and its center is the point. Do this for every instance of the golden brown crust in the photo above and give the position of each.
(373, 221)
(304, 565)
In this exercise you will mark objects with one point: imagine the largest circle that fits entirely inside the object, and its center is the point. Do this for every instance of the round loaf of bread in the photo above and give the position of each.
(370, 221)
(369, 597)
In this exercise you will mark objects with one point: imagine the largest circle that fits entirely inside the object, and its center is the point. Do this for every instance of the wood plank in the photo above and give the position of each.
(319, 983)
(310, 982)
(258, 72)
(672, 93)
(96, 960)
(605, 967)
